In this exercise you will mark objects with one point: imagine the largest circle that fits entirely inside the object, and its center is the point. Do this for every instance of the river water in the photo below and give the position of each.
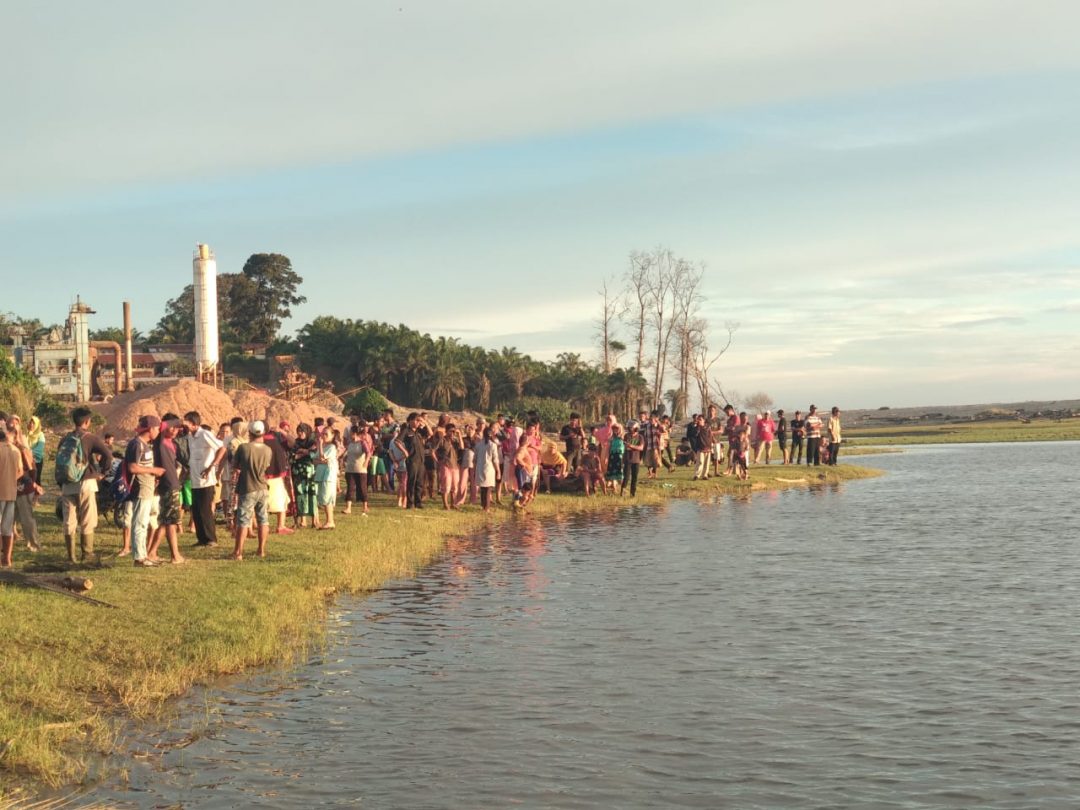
(906, 641)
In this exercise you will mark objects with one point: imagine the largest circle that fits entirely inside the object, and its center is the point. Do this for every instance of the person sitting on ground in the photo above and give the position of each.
(553, 464)
(591, 475)
(684, 454)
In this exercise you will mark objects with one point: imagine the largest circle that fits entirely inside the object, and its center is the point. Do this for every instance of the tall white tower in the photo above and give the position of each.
(206, 314)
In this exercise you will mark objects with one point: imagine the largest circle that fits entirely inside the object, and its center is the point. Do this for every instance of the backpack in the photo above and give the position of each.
(121, 485)
(70, 460)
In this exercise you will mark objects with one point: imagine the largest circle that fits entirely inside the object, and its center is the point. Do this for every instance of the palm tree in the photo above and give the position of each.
(445, 377)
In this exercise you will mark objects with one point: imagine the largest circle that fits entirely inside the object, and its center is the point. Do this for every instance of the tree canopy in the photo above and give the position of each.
(251, 304)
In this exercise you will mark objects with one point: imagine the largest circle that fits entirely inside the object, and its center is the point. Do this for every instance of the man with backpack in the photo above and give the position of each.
(80, 460)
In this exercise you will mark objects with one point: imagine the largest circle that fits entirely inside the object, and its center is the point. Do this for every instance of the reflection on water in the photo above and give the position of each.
(907, 641)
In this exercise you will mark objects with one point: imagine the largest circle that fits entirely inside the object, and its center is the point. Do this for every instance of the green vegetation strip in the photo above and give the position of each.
(1039, 430)
(71, 670)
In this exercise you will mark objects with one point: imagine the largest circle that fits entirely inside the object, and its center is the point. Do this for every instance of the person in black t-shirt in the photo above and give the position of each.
(573, 435)
(168, 490)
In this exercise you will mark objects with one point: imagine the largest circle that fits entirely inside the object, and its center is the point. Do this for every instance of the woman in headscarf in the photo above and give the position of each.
(35, 437)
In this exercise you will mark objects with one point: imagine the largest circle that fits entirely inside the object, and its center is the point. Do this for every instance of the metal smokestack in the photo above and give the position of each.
(127, 348)
(206, 314)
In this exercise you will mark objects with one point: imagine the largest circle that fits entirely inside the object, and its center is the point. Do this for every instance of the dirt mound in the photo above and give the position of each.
(257, 405)
(122, 414)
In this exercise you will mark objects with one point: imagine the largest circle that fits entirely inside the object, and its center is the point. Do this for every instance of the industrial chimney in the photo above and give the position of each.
(206, 315)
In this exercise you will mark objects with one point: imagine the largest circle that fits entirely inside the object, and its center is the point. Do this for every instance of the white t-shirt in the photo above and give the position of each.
(203, 445)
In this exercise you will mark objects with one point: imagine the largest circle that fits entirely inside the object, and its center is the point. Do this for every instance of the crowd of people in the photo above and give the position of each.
(177, 474)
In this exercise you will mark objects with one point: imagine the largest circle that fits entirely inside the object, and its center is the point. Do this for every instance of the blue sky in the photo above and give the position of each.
(885, 196)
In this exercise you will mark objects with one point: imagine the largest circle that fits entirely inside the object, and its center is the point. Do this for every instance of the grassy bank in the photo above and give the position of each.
(1037, 430)
(70, 670)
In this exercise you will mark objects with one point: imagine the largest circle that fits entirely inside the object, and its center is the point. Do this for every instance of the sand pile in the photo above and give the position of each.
(122, 414)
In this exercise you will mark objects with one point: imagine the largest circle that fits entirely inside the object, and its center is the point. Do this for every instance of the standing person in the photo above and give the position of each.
(326, 475)
(616, 452)
(252, 460)
(573, 436)
(205, 453)
(766, 432)
(139, 462)
(526, 483)
(11, 470)
(834, 435)
(448, 457)
(486, 454)
(80, 460)
(603, 436)
(302, 470)
(781, 435)
(412, 440)
(715, 424)
(357, 458)
(277, 499)
(667, 457)
(650, 434)
(398, 458)
(29, 489)
(702, 442)
(35, 437)
(798, 435)
(168, 490)
(467, 490)
(813, 437)
(511, 437)
(635, 446)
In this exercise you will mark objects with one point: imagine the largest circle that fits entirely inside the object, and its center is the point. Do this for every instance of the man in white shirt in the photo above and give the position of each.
(206, 452)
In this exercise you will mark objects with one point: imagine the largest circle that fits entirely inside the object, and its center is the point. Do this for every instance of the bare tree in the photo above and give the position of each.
(638, 299)
(757, 402)
(703, 360)
(611, 309)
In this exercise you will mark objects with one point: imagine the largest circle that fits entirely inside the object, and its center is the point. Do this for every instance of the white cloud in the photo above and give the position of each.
(127, 92)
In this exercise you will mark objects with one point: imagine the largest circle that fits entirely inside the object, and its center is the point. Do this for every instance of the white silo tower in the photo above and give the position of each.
(206, 315)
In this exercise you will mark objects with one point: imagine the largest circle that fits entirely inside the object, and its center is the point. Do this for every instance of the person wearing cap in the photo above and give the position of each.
(168, 490)
(252, 460)
(139, 469)
(813, 437)
(205, 453)
(766, 434)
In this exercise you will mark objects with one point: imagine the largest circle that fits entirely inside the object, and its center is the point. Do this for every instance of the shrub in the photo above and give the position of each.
(368, 403)
(552, 412)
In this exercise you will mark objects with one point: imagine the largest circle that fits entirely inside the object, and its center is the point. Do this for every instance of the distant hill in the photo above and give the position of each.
(1061, 408)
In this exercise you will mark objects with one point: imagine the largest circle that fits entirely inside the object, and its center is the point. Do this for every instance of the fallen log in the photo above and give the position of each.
(22, 580)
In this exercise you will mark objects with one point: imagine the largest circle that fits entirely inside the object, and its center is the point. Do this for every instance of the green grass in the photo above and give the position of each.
(70, 672)
(1038, 430)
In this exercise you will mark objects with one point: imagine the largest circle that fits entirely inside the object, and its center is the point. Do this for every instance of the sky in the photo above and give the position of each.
(885, 196)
